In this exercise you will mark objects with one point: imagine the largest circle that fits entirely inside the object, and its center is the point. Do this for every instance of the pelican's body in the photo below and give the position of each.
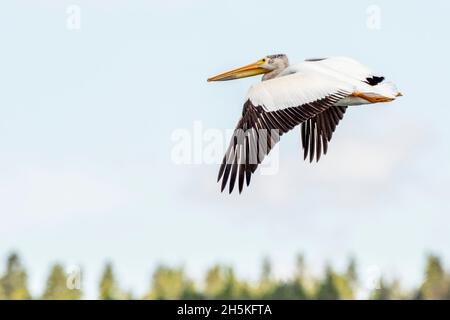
(314, 93)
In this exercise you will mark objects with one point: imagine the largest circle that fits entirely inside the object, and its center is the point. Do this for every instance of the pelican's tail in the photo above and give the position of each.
(386, 89)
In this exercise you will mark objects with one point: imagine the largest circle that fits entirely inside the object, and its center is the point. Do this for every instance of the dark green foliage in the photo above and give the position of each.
(13, 283)
(56, 287)
(108, 287)
(171, 284)
(221, 282)
(437, 282)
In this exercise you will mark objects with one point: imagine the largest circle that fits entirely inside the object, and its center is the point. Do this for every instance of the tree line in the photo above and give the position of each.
(221, 282)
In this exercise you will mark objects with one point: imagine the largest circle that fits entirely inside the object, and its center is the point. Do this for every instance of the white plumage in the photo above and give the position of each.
(313, 80)
(314, 94)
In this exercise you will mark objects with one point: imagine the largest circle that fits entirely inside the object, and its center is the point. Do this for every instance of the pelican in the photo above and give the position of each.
(314, 94)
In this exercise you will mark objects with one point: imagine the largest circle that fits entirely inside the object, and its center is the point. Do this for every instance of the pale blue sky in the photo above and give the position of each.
(86, 119)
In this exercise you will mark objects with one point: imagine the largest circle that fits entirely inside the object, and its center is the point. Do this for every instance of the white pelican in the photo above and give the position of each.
(314, 93)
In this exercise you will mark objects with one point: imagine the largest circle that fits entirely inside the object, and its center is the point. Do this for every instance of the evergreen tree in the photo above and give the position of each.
(57, 288)
(292, 289)
(387, 291)
(266, 283)
(266, 272)
(300, 267)
(222, 283)
(307, 283)
(351, 273)
(334, 286)
(234, 288)
(108, 286)
(215, 282)
(436, 284)
(327, 288)
(14, 282)
(344, 287)
(171, 284)
(288, 290)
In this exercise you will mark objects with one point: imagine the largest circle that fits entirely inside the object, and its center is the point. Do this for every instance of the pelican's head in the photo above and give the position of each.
(270, 66)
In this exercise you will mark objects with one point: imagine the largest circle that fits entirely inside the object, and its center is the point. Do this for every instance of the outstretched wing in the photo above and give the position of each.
(318, 131)
(273, 108)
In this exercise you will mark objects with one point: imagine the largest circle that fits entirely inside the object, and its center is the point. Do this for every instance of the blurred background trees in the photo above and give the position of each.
(13, 283)
(436, 284)
(170, 284)
(56, 286)
(221, 282)
(109, 288)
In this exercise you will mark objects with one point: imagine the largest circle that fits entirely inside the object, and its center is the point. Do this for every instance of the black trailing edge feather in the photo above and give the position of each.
(317, 132)
(259, 130)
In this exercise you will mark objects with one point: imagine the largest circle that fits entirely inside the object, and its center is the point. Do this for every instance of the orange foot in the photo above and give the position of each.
(371, 98)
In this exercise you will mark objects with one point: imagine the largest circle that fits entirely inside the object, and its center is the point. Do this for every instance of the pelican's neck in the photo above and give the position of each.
(272, 74)
(280, 67)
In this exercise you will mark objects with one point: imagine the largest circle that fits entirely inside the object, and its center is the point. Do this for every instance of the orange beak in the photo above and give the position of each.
(243, 72)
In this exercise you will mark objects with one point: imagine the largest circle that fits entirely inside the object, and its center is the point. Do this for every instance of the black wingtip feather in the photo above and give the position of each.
(233, 174)
(308, 133)
(312, 142)
(221, 170)
(241, 176)
(317, 131)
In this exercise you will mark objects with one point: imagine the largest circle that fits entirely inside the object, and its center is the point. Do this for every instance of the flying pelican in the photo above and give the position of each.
(314, 93)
